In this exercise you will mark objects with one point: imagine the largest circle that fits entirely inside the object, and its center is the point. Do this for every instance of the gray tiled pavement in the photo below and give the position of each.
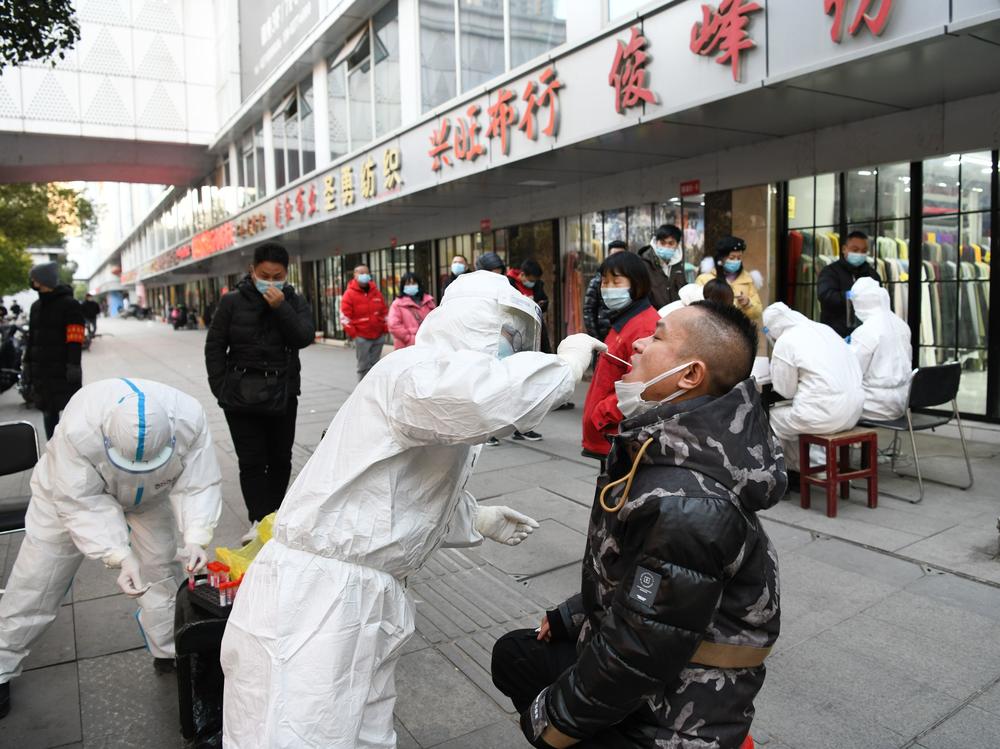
(890, 617)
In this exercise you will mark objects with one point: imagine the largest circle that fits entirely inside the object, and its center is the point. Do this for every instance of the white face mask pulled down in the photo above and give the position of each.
(630, 401)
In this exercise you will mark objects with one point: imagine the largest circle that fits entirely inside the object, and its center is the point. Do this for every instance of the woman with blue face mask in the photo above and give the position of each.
(625, 286)
(408, 310)
(729, 268)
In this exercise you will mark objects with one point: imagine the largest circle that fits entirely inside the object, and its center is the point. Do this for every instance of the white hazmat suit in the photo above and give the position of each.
(312, 642)
(84, 504)
(811, 365)
(882, 346)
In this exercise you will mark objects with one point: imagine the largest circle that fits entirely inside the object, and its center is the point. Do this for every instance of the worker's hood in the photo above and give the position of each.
(691, 293)
(779, 318)
(138, 431)
(868, 298)
(478, 309)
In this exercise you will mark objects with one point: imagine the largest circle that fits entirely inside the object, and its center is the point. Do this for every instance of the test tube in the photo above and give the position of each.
(190, 581)
(222, 595)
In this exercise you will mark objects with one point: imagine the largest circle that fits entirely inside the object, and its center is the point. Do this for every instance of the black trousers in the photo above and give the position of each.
(523, 666)
(264, 450)
(50, 419)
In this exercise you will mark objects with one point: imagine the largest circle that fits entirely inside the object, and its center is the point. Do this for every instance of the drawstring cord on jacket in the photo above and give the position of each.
(627, 478)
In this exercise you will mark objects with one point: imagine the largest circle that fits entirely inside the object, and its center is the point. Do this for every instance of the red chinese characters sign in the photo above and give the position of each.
(876, 22)
(214, 240)
(460, 141)
(628, 73)
(724, 30)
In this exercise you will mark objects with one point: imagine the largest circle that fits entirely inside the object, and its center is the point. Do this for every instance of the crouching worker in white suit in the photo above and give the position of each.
(129, 465)
(312, 642)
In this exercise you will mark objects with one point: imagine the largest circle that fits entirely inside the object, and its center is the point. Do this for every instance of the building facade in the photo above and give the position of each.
(399, 134)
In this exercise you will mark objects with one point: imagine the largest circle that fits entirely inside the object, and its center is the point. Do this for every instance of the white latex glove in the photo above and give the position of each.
(194, 558)
(129, 580)
(577, 350)
(503, 525)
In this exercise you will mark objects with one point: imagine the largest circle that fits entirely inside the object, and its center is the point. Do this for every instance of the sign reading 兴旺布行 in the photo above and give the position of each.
(554, 104)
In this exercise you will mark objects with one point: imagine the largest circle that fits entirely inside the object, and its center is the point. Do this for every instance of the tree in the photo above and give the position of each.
(33, 215)
(14, 266)
(36, 30)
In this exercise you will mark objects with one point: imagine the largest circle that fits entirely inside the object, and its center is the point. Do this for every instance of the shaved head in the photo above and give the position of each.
(722, 337)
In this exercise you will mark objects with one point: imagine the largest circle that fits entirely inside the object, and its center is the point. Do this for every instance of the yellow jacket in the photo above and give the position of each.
(744, 284)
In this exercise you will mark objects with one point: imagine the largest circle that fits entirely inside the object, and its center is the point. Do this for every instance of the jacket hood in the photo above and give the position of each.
(691, 293)
(727, 439)
(472, 312)
(779, 318)
(353, 284)
(869, 298)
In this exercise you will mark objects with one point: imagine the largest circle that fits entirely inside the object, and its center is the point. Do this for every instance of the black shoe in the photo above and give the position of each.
(492, 442)
(566, 406)
(163, 666)
(4, 698)
(530, 436)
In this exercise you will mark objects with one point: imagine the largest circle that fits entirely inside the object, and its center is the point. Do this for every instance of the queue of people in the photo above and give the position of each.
(680, 581)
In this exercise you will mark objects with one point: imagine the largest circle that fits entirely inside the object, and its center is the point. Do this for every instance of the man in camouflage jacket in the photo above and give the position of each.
(679, 596)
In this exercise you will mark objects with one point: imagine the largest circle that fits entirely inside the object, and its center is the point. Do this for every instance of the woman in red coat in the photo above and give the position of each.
(625, 290)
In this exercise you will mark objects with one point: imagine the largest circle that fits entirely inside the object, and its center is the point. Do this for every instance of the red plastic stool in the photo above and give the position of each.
(839, 473)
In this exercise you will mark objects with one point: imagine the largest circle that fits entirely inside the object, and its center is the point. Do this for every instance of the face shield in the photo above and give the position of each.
(521, 326)
(138, 434)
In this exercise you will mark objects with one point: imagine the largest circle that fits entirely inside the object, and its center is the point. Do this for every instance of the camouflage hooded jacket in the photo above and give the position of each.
(684, 561)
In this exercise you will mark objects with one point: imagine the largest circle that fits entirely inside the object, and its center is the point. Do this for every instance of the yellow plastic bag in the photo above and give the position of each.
(238, 560)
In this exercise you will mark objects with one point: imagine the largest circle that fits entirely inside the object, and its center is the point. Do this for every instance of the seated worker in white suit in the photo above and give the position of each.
(311, 645)
(882, 346)
(813, 367)
(130, 465)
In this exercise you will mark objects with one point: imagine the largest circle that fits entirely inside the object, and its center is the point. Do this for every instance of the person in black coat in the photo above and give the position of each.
(91, 309)
(836, 279)
(55, 337)
(596, 315)
(678, 607)
(252, 358)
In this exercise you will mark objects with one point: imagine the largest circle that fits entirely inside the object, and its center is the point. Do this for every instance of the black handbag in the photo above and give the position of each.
(253, 390)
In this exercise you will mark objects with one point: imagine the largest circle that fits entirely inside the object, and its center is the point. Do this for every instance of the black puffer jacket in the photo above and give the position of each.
(247, 332)
(596, 315)
(52, 356)
(684, 561)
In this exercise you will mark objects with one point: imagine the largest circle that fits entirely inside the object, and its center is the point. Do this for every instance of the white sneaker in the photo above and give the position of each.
(250, 535)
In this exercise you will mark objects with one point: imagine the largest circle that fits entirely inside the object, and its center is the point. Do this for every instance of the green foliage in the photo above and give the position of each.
(34, 215)
(36, 30)
(14, 266)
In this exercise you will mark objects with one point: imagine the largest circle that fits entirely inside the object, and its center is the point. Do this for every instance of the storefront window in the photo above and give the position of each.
(307, 128)
(437, 52)
(640, 226)
(359, 89)
(386, 50)
(813, 237)
(616, 226)
(957, 235)
(480, 25)
(535, 28)
(336, 84)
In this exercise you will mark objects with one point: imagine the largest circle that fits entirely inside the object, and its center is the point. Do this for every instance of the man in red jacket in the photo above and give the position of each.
(363, 313)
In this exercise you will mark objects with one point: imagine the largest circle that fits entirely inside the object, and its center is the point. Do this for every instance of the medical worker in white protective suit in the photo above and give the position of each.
(130, 463)
(312, 642)
(882, 346)
(812, 366)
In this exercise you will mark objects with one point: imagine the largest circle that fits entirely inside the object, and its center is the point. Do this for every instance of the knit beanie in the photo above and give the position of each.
(46, 274)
